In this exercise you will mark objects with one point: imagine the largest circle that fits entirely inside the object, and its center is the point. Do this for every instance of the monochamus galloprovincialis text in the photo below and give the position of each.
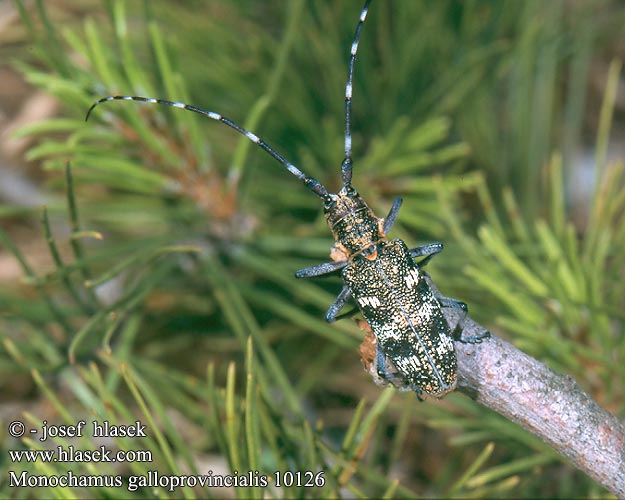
(390, 288)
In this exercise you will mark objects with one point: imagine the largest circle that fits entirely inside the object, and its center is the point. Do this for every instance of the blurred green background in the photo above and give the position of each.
(157, 281)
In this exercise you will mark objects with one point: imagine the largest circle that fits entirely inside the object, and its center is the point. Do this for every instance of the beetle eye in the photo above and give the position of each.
(329, 202)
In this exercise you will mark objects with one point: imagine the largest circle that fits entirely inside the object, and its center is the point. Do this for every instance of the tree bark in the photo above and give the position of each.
(550, 405)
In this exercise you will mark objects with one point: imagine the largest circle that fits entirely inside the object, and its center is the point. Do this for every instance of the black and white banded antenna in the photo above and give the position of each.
(346, 166)
(312, 184)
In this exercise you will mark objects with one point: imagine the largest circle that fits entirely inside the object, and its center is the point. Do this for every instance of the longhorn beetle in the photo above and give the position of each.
(389, 287)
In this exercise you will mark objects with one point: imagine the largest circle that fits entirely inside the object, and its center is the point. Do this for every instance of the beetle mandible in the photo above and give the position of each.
(389, 287)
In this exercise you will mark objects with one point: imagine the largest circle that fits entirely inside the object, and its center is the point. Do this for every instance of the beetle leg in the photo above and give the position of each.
(458, 333)
(320, 269)
(338, 304)
(389, 220)
(453, 303)
(428, 251)
(380, 363)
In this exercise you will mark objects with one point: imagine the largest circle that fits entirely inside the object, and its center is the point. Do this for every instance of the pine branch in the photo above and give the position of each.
(550, 405)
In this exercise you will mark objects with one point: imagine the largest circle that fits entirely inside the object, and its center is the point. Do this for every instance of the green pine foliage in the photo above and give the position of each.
(172, 300)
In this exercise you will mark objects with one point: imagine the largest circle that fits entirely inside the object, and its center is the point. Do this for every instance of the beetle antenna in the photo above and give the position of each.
(346, 166)
(312, 184)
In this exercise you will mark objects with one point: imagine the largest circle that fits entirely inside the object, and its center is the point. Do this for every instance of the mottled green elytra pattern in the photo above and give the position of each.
(405, 317)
